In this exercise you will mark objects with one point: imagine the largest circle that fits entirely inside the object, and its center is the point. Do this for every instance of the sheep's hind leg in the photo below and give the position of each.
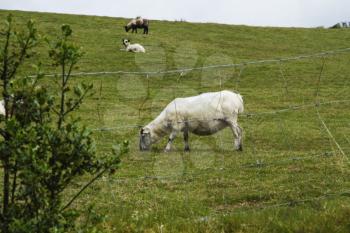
(187, 147)
(170, 141)
(237, 131)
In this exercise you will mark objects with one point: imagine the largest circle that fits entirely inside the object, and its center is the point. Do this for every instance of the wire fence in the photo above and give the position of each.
(315, 104)
(293, 203)
(192, 177)
(259, 206)
(248, 115)
(345, 193)
(220, 66)
(255, 164)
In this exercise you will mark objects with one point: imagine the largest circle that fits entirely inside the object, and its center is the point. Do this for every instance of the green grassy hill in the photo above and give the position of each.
(291, 176)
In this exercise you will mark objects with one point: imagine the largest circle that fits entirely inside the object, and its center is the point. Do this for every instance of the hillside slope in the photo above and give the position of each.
(293, 175)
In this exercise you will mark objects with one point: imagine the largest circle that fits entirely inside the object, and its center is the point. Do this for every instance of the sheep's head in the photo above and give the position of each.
(126, 42)
(127, 28)
(145, 139)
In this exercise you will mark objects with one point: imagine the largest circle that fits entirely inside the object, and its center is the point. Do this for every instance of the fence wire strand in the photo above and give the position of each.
(251, 114)
(185, 70)
(345, 193)
(331, 135)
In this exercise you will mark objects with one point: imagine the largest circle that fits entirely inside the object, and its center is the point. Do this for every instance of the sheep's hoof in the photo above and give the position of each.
(187, 149)
(240, 148)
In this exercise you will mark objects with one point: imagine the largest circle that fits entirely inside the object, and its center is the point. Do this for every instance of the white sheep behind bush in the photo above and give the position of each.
(2, 108)
(202, 115)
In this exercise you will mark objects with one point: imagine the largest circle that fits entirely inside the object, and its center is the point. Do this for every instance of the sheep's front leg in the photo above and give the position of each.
(170, 141)
(237, 131)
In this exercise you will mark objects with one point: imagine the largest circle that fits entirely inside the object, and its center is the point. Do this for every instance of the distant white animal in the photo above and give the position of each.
(136, 48)
(204, 114)
(2, 107)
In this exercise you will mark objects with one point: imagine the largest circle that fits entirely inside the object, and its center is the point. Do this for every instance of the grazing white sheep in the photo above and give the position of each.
(136, 48)
(204, 114)
(2, 107)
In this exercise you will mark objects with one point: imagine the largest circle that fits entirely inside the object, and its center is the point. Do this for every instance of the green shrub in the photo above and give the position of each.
(42, 150)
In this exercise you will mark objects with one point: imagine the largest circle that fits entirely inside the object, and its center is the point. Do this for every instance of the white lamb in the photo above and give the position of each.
(204, 114)
(136, 48)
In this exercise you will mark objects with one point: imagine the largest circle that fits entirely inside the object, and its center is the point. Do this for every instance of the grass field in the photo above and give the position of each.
(291, 176)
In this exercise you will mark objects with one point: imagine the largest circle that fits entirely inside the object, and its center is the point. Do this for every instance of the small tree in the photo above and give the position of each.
(43, 149)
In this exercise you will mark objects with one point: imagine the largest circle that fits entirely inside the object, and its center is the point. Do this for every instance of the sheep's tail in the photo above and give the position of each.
(241, 106)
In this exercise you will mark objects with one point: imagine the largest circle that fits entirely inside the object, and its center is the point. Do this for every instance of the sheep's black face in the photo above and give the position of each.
(127, 28)
(126, 42)
(145, 140)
